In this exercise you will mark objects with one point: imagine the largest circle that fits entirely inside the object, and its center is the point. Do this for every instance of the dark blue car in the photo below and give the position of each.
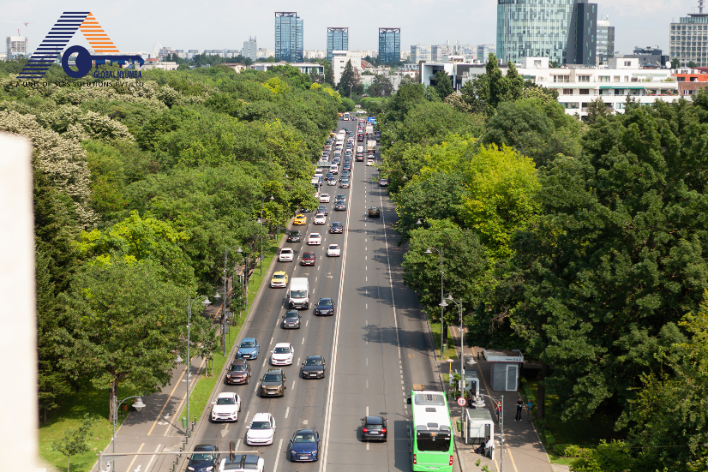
(305, 446)
(248, 349)
(204, 459)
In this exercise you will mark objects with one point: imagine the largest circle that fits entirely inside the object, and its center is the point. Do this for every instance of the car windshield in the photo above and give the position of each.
(315, 235)
(272, 378)
(225, 401)
(260, 425)
(202, 457)
(309, 255)
(294, 233)
(278, 276)
(291, 315)
(282, 350)
(238, 368)
(304, 438)
(337, 224)
(248, 344)
(333, 246)
(315, 361)
(325, 302)
(286, 251)
(298, 293)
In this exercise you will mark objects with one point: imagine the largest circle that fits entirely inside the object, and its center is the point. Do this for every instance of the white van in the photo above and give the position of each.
(334, 169)
(299, 293)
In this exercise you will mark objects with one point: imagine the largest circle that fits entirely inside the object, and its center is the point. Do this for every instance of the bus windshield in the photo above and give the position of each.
(433, 441)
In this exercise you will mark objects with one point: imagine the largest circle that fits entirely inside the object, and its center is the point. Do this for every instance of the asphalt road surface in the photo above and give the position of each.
(377, 345)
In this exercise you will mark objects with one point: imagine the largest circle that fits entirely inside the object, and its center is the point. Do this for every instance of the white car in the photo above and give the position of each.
(320, 219)
(370, 162)
(282, 354)
(334, 251)
(226, 407)
(314, 239)
(261, 430)
(324, 198)
(286, 255)
(242, 463)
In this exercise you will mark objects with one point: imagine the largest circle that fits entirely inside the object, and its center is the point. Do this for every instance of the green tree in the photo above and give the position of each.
(128, 323)
(347, 81)
(443, 84)
(675, 63)
(597, 110)
(75, 441)
(380, 87)
(692, 64)
(608, 457)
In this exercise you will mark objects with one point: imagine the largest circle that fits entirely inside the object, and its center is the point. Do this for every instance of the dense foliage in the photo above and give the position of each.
(139, 187)
(582, 244)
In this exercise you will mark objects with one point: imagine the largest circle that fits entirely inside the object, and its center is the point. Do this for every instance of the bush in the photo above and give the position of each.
(550, 439)
(571, 450)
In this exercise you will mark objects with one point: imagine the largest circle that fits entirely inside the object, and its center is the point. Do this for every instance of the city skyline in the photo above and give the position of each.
(230, 24)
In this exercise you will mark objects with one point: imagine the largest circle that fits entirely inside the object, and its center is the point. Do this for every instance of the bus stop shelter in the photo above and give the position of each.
(505, 368)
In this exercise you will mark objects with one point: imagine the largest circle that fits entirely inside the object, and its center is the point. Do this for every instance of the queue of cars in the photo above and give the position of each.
(304, 443)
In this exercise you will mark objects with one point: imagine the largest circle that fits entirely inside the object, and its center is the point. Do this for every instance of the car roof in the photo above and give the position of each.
(286, 249)
(205, 447)
(248, 339)
(280, 272)
(239, 361)
(314, 234)
(336, 223)
(326, 300)
(333, 245)
(227, 395)
(274, 371)
(261, 417)
(374, 420)
(311, 431)
(308, 254)
(313, 357)
(283, 345)
(289, 312)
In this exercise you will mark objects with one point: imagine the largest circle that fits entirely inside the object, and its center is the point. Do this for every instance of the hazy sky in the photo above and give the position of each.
(206, 24)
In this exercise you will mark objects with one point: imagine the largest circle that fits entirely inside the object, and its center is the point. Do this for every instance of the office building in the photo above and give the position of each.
(649, 57)
(250, 49)
(483, 52)
(337, 40)
(339, 62)
(16, 46)
(537, 28)
(420, 53)
(582, 34)
(440, 52)
(389, 45)
(288, 37)
(689, 38)
(605, 40)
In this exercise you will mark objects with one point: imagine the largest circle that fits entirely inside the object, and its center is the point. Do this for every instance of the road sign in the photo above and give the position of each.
(461, 401)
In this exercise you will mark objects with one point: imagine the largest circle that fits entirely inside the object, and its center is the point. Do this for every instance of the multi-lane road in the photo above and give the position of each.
(377, 346)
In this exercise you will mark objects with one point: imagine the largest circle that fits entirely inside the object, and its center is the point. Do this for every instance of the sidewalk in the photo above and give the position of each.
(523, 450)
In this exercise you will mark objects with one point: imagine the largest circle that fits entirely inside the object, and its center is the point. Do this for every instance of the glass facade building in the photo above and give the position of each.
(337, 40)
(533, 28)
(689, 39)
(288, 37)
(582, 35)
(605, 40)
(389, 45)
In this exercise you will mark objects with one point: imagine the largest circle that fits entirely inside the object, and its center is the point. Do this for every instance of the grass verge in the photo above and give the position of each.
(450, 352)
(69, 416)
(205, 385)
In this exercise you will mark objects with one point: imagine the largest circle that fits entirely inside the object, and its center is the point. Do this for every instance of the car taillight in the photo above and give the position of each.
(415, 459)
(364, 430)
(383, 430)
(450, 461)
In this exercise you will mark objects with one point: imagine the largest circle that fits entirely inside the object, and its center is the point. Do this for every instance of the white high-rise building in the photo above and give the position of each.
(16, 47)
(419, 53)
(250, 49)
(339, 62)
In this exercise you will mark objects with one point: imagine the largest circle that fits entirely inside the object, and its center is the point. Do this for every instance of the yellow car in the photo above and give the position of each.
(280, 279)
(300, 220)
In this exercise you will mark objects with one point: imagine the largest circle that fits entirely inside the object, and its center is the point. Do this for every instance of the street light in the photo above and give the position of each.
(190, 302)
(226, 296)
(443, 304)
(138, 405)
(430, 250)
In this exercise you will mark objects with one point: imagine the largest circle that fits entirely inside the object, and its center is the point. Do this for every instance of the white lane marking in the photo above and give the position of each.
(255, 388)
(366, 240)
(366, 258)
(366, 267)
(367, 411)
(318, 268)
(277, 457)
(367, 306)
(366, 248)
(366, 322)
(225, 430)
(315, 279)
(287, 410)
(246, 417)
(367, 279)
(298, 361)
(293, 387)
(307, 323)
(313, 290)
(264, 362)
(152, 458)
(367, 383)
(367, 361)
(303, 341)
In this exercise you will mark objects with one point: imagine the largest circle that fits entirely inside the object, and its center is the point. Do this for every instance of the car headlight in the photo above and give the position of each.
(190, 468)
(209, 469)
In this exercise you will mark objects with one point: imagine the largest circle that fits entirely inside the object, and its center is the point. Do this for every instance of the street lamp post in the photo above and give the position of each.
(225, 295)
(430, 250)
(443, 304)
(138, 405)
(190, 302)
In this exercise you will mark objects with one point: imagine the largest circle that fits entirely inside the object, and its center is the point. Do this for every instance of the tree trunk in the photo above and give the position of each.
(541, 397)
(68, 461)
(113, 393)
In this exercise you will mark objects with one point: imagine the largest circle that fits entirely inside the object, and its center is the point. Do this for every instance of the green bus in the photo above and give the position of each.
(430, 432)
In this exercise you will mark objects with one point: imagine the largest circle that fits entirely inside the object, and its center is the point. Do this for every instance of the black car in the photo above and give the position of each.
(313, 367)
(239, 372)
(322, 209)
(340, 205)
(291, 320)
(204, 459)
(374, 212)
(336, 228)
(374, 428)
(294, 236)
(325, 307)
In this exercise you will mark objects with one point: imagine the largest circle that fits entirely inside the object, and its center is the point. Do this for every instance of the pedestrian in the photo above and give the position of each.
(519, 409)
(489, 448)
(498, 411)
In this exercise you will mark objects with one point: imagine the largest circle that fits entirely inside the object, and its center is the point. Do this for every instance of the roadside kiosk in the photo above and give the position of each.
(480, 426)
(506, 368)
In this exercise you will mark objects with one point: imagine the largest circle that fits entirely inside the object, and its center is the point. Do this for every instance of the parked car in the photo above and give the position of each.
(239, 372)
(305, 446)
(273, 383)
(313, 367)
(291, 320)
(374, 428)
(261, 430)
(333, 250)
(226, 407)
(286, 255)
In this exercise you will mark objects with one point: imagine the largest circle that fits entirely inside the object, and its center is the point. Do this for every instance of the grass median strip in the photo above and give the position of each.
(205, 385)
(450, 353)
